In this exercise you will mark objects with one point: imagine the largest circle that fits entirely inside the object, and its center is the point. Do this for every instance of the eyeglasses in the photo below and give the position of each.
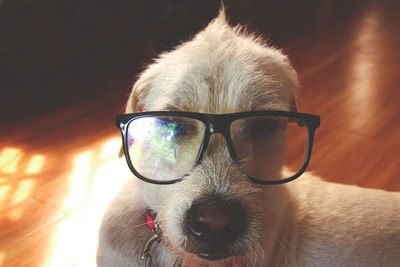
(270, 147)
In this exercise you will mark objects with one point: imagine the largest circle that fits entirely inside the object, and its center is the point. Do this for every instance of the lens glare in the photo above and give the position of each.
(270, 147)
(164, 148)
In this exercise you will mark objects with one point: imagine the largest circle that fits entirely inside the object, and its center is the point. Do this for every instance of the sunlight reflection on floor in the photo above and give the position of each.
(2, 255)
(365, 64)
(97, 177)
(79, 180)
(21, 194)
(10, 163)
(35, 164)
(9, 159)
(4, 190)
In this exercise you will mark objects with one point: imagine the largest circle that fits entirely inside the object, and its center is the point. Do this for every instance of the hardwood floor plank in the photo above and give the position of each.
(21, 215)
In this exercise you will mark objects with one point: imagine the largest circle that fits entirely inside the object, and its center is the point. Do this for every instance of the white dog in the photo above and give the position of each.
(215, 213)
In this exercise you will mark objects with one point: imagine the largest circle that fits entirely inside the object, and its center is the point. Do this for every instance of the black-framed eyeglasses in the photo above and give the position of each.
(271, 147)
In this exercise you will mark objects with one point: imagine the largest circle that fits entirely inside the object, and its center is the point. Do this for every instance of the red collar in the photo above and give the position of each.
(150, 216)
(150, 220)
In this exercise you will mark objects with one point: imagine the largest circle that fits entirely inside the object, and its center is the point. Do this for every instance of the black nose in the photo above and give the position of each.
(216, 222)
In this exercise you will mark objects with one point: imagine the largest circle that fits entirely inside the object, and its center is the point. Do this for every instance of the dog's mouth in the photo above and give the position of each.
(194, 261)
(215, 255)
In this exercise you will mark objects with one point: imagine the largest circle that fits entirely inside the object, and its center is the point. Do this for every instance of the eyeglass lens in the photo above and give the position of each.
(165, 148)
(269, 147)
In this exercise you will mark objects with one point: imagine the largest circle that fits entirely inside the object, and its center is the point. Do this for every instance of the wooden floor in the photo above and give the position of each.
(58, 143)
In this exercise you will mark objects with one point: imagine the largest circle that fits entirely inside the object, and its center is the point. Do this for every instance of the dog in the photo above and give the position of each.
(304, 222)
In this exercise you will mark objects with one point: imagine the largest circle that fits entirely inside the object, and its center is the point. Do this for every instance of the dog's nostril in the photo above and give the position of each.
(198, 228)
(217, 223)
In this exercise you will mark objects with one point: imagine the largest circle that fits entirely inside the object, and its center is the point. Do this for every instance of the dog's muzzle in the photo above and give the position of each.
(213, 225)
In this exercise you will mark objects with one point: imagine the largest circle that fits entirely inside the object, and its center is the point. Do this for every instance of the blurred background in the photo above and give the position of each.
(67, 67)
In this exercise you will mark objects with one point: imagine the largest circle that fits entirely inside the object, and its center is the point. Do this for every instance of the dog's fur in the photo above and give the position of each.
(307, 222)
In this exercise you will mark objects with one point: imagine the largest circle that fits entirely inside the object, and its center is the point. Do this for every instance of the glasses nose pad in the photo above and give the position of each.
(217, 144)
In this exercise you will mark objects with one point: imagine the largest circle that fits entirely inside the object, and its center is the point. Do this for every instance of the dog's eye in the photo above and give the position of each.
(185, 129)
(263, 127)
(259, 127)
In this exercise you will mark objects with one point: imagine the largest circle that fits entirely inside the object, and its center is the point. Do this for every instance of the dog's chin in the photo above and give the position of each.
(195, 261)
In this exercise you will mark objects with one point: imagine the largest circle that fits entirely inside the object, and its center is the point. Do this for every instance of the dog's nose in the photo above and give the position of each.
(216, 222)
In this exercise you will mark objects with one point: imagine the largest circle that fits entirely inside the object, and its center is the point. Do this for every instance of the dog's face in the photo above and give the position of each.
(216, 215)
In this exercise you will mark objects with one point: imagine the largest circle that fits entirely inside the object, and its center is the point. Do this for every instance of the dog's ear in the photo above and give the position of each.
(121, 152)
(291, 83)
(131, 106)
